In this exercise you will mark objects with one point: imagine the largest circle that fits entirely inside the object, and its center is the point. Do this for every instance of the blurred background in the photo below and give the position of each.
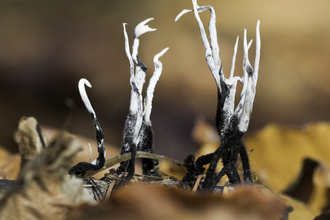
(47, 46)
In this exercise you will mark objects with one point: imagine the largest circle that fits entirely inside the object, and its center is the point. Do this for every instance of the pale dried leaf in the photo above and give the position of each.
(29, 142)
(44, 190)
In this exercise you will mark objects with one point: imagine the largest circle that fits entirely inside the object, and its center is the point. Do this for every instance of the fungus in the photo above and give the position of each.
(81, 168)
(231, 123)
(138, 128)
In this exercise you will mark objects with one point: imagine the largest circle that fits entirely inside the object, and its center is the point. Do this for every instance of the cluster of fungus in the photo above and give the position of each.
(232, 123)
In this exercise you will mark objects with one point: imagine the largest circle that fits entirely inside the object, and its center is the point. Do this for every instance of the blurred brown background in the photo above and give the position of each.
(47, 46)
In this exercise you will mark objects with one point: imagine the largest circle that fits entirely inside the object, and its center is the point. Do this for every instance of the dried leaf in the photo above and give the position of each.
(321, 175)
(279, 152)
(9, 164)
(44, 190)
(30, 142)
(278, 157)
(301, 211)
(82, 156)
(155, 202)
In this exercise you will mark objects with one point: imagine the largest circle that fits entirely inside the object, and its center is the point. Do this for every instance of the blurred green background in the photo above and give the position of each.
(47, 46)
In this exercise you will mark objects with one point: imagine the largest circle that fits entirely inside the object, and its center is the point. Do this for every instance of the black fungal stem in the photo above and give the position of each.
(208, 182)
(231, 122)
(245, 163)
(81, 168)
(131, 163)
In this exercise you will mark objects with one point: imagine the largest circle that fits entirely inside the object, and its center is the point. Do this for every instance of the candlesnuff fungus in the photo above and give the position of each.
(82, 167)
(231, 123)
(138, 129)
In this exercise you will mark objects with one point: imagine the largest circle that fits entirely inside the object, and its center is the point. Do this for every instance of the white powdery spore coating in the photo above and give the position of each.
(129, 131)
(138, 123)
(245, 106)
(142, 28)
(81, 87)
(127, 52)
(134, 103)
(249, 79)
(152, 84)
(211, 51)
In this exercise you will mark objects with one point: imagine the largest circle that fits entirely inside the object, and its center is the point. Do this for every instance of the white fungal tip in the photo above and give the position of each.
(250, 43)
(245, 45)
(81, 86)
(161, 53)
(185, 11)
(142, 28)
(83, 82)
(258, 34)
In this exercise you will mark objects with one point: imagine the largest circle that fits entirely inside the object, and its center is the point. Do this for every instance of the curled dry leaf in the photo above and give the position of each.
(30, 141)
(27, 137)
(44, 190)
(279, 152)
(84, 155)
(29, 145)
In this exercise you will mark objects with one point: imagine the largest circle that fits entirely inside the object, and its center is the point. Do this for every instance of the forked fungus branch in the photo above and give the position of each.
(138, 129)
(231, 123)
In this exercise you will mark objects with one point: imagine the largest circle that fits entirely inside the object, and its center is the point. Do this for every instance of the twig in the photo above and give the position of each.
(97, 190)
(197, 183)
(108, 194)
(139, 154)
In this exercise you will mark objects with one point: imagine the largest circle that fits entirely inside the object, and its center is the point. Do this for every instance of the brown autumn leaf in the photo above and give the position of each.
(9, 164)
(279, 154)
(157, 202)
(84, 155)
(301, 211)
